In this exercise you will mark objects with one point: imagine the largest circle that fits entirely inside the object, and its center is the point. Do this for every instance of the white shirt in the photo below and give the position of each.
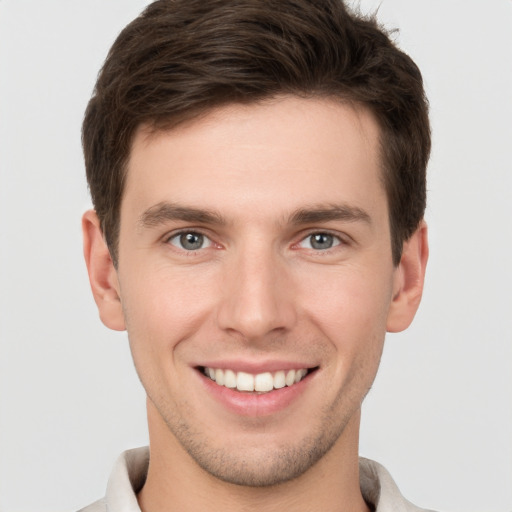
(129, 474)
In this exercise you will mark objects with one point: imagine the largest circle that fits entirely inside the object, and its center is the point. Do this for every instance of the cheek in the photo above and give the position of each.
(347, 302)
(162, 307)
(350, 310)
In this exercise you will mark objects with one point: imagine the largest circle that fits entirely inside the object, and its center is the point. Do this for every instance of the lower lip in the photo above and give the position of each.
(253, 404)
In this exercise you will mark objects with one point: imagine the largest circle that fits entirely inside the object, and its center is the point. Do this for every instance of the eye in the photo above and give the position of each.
(190, 241)
(320, 241)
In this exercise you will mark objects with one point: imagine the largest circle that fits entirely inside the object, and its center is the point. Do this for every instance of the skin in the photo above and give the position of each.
(257, 292)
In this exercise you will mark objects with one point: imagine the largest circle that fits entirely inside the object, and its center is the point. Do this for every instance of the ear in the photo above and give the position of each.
(408, 281)
(102, 274)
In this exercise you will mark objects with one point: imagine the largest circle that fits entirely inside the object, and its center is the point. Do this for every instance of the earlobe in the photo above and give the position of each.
(102, 274)
(409, 279)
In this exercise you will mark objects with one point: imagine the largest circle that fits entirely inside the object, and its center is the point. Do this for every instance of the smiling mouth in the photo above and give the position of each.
(259, 383)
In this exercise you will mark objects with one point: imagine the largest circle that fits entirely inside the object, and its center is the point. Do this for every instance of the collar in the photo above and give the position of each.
(129, 474)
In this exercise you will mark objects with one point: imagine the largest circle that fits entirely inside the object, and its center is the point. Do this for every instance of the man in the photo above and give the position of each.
(257, 170)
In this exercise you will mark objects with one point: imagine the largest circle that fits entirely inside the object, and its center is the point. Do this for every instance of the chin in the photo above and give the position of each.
(260, 462)
(263, 469)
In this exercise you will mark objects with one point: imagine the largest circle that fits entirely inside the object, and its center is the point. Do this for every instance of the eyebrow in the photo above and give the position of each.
(326, 213)
(163, 212)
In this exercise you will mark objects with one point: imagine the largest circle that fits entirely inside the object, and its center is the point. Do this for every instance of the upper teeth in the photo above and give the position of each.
(261, 382)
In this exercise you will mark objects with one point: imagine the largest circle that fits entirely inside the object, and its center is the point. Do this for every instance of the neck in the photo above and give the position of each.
(176, 483)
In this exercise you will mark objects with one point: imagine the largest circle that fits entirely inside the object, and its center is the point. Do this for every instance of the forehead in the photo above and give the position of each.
(280, 152)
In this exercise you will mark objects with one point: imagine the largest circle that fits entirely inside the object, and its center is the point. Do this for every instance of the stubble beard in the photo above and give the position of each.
(260, 465)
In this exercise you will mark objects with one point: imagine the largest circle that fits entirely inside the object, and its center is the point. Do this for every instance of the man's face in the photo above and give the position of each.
(255, 242)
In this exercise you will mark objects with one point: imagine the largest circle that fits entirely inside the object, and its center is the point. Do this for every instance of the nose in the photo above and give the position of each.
(257, 295)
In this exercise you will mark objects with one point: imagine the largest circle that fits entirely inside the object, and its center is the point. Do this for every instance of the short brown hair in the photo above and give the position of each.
(182, 58)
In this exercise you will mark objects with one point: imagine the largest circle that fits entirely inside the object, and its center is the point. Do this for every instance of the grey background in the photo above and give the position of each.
(440, 414)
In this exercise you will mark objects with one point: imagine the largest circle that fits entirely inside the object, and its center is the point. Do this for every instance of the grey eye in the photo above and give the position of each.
(190, 241)
(320, 241)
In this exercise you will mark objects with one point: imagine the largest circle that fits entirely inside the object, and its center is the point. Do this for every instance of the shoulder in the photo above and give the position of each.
(126, 479)
(97, 506)
(380, 490)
